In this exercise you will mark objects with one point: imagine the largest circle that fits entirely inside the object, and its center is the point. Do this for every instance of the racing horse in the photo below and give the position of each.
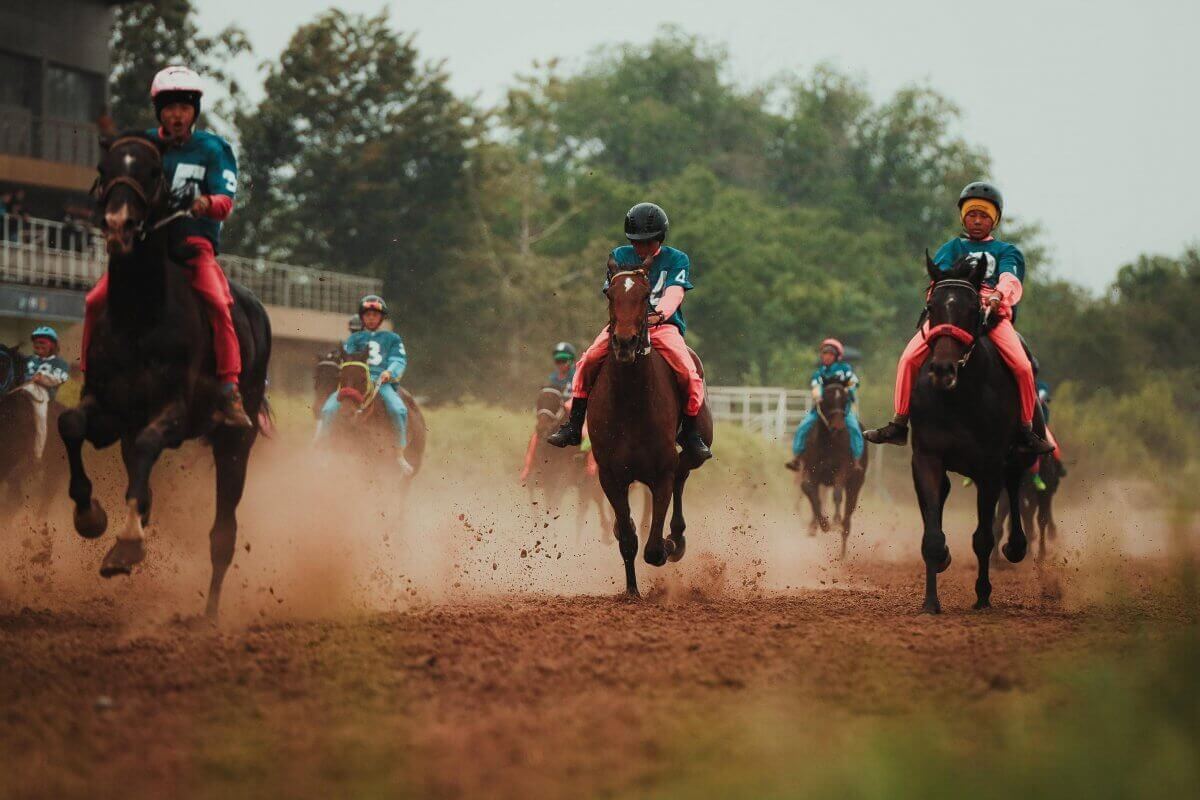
(365, 421)
(965, 417)
(828, 462)
(17, 439)
(151, 380)
(633, 416)
(556, 470)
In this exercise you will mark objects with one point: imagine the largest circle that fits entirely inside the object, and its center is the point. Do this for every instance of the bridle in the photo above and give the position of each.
(150, 200)
(821, 411)
(954, 331)
(640, 273)
(365, 402)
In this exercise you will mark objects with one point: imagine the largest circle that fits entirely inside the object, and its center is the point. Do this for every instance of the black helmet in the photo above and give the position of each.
(982, 190)
(646, 221)
(355, 324)
(564, 348)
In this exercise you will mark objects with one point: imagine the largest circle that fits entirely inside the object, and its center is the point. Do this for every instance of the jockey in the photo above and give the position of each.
(646, 227)
(833, 367)
(564, 368)
(44, 373)
(980, 207)
(200, 159)
(386, 362)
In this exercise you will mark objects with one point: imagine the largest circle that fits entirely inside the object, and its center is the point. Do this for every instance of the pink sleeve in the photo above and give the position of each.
(1010, 290)
(220, 206)
(671, 300)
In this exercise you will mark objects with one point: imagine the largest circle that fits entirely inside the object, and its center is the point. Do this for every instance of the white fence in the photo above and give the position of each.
(772, 411)
(38, 252)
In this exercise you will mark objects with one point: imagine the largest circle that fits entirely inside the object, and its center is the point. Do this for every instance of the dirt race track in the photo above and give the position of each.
(455, 686)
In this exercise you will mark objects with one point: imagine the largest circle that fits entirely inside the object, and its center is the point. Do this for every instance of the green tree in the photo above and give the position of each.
(148, 36)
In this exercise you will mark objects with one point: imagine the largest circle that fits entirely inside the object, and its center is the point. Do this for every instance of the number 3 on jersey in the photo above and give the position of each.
(375, 356)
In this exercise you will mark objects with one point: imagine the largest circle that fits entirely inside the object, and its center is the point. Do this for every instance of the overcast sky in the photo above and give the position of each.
(1090, 110)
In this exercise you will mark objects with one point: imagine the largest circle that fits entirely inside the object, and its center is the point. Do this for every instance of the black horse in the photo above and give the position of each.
(20, 470)
(827, 461)
(965, 418)
(151, 380)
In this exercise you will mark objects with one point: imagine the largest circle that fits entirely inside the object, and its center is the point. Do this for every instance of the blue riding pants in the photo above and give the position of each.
(800, 440)
(392, 402)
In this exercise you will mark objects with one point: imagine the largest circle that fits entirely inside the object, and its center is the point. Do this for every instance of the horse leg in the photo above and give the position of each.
(231, 452)
(1000, 517)
(838, 497)
(678, 525)
(984, 540)
(90, 519)
(658, 549)
(1014, 549)
(932, 487)
(140, 453)
(812, 491)
(853, 487)
(617, 493)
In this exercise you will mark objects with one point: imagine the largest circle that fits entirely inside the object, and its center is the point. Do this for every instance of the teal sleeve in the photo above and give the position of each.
(680, 273)
(1011, 262)
(222, 173)
(397, 358)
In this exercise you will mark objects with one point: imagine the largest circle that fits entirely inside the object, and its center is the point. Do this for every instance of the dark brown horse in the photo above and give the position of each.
(363, 422)
(151, 382)
(827, 461)
(965, 419)
(326, 375)
(633, 416)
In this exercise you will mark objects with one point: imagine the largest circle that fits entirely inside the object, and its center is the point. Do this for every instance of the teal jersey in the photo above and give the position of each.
(838, 371)
(1002, 258)
(207, 161)
(384, 351)
(671, 267)
(54, 367)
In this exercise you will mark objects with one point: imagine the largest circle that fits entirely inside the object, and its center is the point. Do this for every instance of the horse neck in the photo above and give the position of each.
(139, 284)
(632, 384)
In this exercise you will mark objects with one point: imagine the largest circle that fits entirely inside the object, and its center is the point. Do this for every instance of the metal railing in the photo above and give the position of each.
(61, 140)
(39, 252)
(771, 410)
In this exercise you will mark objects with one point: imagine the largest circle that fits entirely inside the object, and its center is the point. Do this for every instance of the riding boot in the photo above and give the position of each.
(895, 432)
(571, 433)
(232, 409)
(1029, 442)
(695, 451)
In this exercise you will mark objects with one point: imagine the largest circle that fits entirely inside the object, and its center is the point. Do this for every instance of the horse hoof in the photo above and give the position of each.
(1013, 553)
(945, 565)
(931, 607)
(91, 523)
(981, 605)
(680, 546)
(658, 556)
(122, 557)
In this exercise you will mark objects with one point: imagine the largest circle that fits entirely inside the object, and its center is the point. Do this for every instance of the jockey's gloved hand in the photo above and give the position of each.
(184, 196)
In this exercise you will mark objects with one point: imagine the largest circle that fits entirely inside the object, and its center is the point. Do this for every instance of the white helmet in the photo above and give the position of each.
(176, 79)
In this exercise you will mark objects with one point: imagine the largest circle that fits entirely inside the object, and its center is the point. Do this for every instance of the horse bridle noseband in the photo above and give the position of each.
(644, 330)
(372, 387)
(954, 331)
(103, 190)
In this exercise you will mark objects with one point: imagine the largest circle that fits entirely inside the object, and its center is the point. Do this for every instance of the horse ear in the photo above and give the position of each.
(934, 273)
